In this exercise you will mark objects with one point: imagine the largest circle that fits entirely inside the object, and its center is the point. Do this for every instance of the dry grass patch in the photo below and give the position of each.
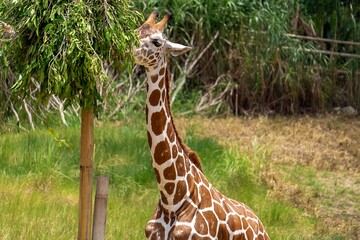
(327, 143)
(312, 163)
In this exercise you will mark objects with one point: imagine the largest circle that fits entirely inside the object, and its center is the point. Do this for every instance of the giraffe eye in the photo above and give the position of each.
(156, 43)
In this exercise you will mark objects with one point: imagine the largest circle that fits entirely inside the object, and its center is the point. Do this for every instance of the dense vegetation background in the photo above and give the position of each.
(244, 60)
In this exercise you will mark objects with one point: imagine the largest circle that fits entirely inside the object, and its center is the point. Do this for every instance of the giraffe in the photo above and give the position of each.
(190, 207)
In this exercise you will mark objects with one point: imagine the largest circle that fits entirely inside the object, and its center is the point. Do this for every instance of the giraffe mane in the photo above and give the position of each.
(193, 156)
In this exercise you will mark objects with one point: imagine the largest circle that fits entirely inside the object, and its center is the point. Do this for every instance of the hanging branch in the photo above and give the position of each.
(61, 109)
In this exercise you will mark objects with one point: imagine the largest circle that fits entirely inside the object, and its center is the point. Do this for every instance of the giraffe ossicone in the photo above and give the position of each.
(190, 207)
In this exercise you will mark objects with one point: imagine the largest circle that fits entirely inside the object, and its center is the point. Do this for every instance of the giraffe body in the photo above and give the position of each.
(189, 206)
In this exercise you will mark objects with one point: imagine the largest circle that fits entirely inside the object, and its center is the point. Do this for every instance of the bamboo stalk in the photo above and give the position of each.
(101, 198)
(86, 163)
(323, 39)
(349, 55)
(314, 38)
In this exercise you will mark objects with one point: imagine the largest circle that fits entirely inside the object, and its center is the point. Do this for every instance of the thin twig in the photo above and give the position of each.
(188, 70)
(29, 115)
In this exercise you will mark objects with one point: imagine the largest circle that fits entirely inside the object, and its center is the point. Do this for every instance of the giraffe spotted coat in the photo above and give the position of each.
(189, 206)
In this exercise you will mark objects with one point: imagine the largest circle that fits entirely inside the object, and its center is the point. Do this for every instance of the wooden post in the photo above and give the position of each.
(86, 163)
(101, 198)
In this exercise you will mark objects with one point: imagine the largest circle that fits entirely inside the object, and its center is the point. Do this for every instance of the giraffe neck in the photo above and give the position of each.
(170, 161)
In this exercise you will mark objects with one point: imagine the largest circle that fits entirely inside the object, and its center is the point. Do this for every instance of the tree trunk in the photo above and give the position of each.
(86, 163)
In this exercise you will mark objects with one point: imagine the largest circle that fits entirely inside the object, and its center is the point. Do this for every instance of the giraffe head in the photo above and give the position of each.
(153, 43)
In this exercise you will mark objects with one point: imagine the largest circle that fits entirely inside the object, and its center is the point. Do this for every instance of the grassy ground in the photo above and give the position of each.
(255, 161)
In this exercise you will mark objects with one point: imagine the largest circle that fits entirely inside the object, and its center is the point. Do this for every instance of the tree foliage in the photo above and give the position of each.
(64, 44)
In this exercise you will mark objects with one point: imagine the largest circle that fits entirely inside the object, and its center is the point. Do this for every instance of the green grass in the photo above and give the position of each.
(39, 183)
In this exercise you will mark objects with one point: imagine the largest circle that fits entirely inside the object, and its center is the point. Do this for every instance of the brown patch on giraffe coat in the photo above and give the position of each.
(172, 218)
(161, 83)
(151, 57)
(261, 227)
(170, 132)
(234, 222)
(198, 237)
(166, 218)
(220, 212)
(149, 139)
(187, 164)
(215, 195)
(170, 172)
(249, 233)
(245, 224)
(180, 191)
(180, 232)
(174, 151)
(200, 224)
(158, 122)
(204, 180)
(180, 165)
(212, 222)
(260, 237)
(206, 200)
(240, 236)
(226, 205)
(169, 187)
(194, 195)
(223, 232)
(240, 210)
(154, 98)
(163, 95)
(162, 152)
(186, 212)
(254, 225)
(154, 78)
(163, 198)
(196, 175)
(154, 231)
(146, 114)
(161, 72)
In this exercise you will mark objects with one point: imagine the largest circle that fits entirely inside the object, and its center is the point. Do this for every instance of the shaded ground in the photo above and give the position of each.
(313, 163)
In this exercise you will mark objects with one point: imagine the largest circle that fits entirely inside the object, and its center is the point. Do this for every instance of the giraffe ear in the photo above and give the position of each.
(176, 49)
